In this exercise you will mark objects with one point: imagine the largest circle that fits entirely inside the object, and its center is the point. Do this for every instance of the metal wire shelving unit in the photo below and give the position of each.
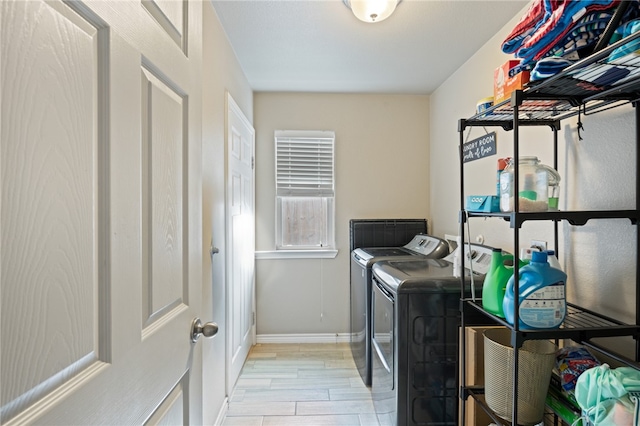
(548, 103)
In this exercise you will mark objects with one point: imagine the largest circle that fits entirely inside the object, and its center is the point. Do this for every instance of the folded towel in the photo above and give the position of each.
(548, 67)
(584, 34)
(532, 18)
(562, 20)
(520, 68)
(566, 33)
(602, 75)
(622, 31)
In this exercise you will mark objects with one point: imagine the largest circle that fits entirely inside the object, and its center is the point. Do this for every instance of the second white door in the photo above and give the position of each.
(240, 240)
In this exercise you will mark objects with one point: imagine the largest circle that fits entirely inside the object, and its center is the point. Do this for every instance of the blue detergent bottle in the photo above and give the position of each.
(542, 299)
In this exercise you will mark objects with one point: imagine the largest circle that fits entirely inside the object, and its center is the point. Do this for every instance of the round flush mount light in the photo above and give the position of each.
(372, 10)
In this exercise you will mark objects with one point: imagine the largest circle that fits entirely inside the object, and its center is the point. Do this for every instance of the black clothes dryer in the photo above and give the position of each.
(362, 259)
(415, 337)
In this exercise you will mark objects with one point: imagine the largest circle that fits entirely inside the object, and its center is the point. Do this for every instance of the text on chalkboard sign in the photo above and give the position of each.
(481, 147)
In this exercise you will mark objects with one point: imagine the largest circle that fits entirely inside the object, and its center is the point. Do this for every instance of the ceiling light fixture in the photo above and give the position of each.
(372, 10)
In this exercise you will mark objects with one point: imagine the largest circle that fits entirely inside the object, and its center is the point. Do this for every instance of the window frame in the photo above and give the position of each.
(298, 180)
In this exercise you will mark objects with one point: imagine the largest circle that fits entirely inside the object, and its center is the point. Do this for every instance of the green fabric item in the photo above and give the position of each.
(603, 395)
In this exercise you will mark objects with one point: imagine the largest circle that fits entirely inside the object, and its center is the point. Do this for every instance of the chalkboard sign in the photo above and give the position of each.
(481, 147)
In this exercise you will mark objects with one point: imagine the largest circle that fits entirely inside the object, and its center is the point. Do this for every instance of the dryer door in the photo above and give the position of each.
(384, 355)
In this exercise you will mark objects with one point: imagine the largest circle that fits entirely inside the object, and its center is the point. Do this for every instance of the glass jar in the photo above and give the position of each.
(537, 181)
(554, 188)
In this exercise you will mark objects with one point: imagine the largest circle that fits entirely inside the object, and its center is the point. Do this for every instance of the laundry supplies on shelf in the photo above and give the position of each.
(536, 181)
(495, 282)
(542, 301)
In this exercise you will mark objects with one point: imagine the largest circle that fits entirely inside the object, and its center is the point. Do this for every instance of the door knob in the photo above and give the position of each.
(198, 329)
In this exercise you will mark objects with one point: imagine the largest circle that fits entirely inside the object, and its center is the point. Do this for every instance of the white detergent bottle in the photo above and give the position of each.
(542, 300)
(553, 260)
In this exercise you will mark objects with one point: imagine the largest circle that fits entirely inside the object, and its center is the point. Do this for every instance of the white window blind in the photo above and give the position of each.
(304, 163)
(304, 190)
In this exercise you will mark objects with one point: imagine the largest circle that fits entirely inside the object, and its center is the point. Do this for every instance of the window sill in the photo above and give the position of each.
(296, 254)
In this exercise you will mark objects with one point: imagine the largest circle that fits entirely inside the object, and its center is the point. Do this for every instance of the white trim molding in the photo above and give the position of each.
(223, 412)
(296, 254)
(304, 338)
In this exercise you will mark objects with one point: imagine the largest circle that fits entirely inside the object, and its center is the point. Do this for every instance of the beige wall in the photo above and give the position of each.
(597, 172)
(382, 171)
(221, 73)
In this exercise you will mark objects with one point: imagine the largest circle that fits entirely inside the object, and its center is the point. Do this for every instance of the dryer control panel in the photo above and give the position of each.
(428, 245)
(478, 257)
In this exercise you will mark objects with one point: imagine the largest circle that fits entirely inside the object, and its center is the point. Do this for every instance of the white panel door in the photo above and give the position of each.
(241, 240)
(100, 201)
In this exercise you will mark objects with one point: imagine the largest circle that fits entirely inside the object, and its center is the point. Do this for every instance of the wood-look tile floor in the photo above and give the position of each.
(300, 384)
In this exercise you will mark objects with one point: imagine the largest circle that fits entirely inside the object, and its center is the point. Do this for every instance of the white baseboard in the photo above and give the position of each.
(303, 338)
(223, 412)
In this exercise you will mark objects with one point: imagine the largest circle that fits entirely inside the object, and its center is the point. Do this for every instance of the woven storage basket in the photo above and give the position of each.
(536, 360)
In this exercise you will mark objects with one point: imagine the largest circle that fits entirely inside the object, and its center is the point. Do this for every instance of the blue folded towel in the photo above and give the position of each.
(561, 22)
(584, 34)
(622, 31)
(548, 67)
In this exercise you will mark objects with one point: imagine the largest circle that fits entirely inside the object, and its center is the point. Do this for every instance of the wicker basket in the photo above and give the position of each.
(536, 360)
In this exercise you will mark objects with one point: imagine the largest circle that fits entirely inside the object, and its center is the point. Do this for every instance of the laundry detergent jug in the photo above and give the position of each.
(495, 282)
(542, 300)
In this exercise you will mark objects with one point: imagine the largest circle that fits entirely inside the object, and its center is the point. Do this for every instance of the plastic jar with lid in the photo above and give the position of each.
(534, 179)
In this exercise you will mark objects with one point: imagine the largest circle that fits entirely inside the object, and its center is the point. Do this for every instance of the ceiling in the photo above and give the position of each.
(320, 46)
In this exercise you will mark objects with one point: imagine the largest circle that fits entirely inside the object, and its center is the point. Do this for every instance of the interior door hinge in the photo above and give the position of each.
(253, 162)
(253, 318)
